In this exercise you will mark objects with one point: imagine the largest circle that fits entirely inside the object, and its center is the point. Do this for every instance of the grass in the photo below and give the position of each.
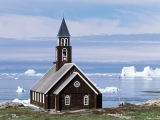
(133, 112)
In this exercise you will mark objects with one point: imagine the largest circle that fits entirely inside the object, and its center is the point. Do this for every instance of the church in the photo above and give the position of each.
(64, 86)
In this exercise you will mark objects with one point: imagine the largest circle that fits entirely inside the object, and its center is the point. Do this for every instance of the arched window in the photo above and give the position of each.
(86, 100)
(67, 100)
(64, 41)
(64, 54)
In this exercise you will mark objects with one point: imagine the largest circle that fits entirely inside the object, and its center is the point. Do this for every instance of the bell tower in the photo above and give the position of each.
(63, 50)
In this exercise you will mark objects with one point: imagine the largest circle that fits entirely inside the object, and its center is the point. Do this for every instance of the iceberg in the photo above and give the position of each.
(24, 102)
(147, 72)
(19, 89)
(109, 90)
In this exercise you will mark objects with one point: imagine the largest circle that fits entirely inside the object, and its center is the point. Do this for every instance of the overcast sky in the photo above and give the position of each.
(26, 19)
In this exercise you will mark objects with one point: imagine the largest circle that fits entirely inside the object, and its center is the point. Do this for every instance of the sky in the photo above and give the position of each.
(101, 30)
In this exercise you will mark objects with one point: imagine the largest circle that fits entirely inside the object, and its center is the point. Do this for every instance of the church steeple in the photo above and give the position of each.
(63, 30)
(63, 50)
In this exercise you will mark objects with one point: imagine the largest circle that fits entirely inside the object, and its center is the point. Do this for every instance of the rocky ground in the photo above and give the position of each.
(5, 105)
(144, 110)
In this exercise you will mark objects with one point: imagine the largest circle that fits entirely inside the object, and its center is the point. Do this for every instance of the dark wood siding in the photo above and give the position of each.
(59, 62)
(83, 88)
(77, 102)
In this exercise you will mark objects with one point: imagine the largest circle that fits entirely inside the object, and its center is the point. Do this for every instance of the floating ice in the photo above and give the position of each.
(147, 72)
(20, 89)
(109, 90)
(16, 78)
(24, 102)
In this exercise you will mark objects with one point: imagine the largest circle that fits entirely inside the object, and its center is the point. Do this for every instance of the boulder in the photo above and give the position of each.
(4, 105)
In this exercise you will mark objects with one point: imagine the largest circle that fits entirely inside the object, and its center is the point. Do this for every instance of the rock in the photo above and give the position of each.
(123, 103)
(4, 105)
(154, 102)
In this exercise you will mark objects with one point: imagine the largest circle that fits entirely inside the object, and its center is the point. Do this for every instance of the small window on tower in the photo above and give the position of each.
(62, 41)
(64, 54)
(66, 42)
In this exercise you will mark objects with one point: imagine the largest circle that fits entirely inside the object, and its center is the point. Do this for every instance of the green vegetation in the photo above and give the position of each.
(127, 112)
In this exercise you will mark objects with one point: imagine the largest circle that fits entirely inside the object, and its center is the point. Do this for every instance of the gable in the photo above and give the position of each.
(69, 83)
(54, 78)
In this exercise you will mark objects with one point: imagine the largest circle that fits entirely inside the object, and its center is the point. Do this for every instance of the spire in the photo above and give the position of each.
(63, 30)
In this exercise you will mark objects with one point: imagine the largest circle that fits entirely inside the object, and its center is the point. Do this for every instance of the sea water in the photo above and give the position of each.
(103, 75)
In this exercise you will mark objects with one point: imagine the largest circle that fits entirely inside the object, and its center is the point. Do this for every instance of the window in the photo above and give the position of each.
(35, 96)
(32, 95)
(67, 100)
(86, 100)
(76, 84)
(64, 54)
(43, 98)
(64, 42)
(40, 98)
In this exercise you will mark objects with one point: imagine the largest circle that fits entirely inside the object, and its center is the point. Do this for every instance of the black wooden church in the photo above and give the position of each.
(65, 86)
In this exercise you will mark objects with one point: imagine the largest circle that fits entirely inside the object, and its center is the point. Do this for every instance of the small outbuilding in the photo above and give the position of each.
(65, 86)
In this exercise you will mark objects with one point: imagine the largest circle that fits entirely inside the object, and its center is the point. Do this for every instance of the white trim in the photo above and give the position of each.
(35, 96)
(77, 84)
(43, 98)
(86, 100)
(87, 77)
(66, 54)
(73, 64)
(40, 97)
(59, 77)
(55, 102)
(67, 100)
(68, 80)
(32, 95)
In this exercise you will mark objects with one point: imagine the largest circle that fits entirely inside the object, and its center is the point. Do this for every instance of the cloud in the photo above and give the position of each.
(20, 26)
(122, 2)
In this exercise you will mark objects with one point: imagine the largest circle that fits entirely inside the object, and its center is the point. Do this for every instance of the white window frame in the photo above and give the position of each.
(35, 96)
(67, 100)
(62, 43)
(40, 98)
(66, 54)
(43, 98)
(86, 100)
(65, 42)
(32, 95)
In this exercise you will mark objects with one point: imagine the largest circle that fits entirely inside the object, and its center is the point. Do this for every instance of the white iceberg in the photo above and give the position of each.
(147, 72)
(109, 90)
(19, 89)
(24, 102)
